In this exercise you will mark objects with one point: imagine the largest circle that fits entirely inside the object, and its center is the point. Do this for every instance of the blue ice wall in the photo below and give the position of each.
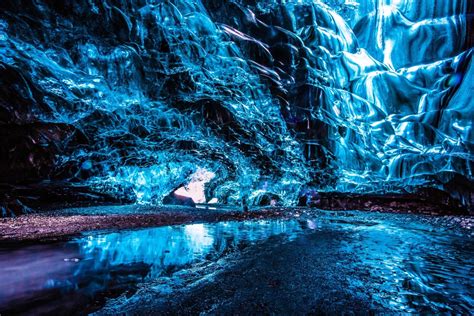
(275, 97)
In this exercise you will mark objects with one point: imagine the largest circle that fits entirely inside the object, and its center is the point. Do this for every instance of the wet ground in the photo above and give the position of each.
(312, 262)
(62, 223)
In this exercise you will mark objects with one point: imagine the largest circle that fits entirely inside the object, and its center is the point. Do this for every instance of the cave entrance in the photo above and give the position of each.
(195, 189)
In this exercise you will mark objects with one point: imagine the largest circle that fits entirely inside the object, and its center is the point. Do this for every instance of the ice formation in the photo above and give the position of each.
(274, 97)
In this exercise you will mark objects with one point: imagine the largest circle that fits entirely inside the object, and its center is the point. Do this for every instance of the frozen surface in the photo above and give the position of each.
(318, 262)
(271, 98)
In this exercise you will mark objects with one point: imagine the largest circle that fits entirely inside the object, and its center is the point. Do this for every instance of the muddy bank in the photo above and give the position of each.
(57, 225)
(429, 202)
(62, 223)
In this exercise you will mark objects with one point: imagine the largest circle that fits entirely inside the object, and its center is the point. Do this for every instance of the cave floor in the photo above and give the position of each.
(61, 224)
(278, 261)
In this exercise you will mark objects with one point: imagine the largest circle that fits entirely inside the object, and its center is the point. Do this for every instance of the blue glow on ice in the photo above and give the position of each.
(273, 97)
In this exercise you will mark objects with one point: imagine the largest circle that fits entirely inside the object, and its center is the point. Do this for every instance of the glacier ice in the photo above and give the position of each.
(273, 97)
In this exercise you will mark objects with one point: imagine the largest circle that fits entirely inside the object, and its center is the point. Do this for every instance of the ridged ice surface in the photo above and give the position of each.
(274, 97)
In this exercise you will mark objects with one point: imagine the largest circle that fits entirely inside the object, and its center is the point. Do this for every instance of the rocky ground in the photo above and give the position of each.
(56, 225)
(62, 223)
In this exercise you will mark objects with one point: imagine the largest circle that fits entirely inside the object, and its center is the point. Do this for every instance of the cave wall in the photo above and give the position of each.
(277, 98)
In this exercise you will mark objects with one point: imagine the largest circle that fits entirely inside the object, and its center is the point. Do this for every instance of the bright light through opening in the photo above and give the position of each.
(195, 188)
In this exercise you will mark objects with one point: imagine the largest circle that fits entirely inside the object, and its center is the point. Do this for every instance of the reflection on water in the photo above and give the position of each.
(417, 269)
(174, 246)
(410, 265)
(50, 277)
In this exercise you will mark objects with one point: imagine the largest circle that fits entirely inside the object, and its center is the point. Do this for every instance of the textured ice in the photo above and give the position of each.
(273, 97)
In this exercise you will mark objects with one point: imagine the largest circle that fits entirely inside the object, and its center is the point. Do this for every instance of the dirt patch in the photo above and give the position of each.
(54, 226)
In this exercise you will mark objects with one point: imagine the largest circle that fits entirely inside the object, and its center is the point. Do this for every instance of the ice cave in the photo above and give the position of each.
(245, 157)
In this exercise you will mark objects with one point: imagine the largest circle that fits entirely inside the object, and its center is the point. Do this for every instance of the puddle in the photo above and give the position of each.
(70, 274)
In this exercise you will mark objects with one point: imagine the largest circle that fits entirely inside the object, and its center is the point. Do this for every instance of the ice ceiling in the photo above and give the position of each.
(263, 98)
